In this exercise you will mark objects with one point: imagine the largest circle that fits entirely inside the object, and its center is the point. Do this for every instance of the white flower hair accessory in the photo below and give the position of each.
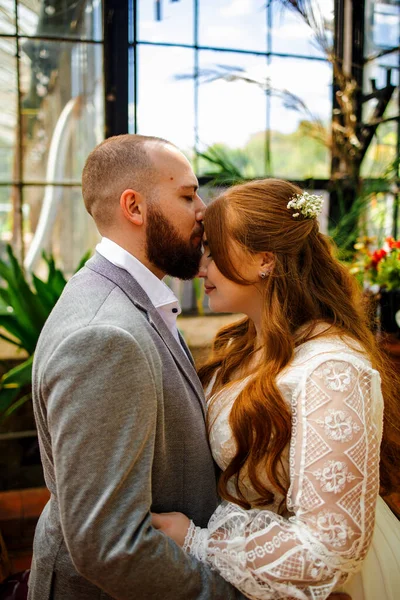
(309, 205)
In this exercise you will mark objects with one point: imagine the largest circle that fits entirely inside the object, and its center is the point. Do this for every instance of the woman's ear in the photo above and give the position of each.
(132, 204)
(267, 261)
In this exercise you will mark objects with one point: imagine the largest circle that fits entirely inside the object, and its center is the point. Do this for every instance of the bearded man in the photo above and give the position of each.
(119, 408)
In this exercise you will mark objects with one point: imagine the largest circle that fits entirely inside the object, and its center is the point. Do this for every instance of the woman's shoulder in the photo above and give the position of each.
(330, 346)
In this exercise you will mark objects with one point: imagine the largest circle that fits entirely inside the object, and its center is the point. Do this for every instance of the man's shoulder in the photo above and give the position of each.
(91, 300)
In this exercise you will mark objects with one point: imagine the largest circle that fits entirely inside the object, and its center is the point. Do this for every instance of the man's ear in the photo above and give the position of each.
(132, 204)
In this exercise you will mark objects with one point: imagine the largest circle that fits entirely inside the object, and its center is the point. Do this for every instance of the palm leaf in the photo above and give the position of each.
(23, 311)
(15, 406)
(25, 299)
(5, 301)
(26, 307)
(46, 293)
(228, 173)
(26, 335)
(12, 382)
(10, 340)
(83, 260)
(20, 375)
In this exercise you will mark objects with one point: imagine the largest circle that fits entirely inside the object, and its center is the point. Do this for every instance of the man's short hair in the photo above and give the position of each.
(119, 163)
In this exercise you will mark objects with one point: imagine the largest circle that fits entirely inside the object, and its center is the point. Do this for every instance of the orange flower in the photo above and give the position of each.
(392, 242)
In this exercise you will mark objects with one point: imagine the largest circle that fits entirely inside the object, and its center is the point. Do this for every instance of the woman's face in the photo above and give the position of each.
(226, 295)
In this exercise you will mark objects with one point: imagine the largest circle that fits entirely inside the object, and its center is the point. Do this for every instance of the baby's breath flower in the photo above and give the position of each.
(309, 205)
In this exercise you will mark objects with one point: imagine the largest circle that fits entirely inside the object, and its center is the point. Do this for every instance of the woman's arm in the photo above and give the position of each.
(334, 473)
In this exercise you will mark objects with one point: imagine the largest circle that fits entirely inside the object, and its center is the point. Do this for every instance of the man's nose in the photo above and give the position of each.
(202, 267)
(199, 208)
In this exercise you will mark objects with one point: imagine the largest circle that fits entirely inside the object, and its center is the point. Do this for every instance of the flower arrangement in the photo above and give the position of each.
(380, 268)
(309, 205)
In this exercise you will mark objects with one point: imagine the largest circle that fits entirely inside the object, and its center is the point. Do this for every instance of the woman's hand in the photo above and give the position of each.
(173, 524)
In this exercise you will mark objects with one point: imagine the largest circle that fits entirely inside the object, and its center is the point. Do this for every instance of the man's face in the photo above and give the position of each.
(174, 216)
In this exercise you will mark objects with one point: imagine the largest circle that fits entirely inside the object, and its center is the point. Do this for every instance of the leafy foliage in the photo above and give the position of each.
(296, 155)
(378, 268)
(24, 309)
(352, 223)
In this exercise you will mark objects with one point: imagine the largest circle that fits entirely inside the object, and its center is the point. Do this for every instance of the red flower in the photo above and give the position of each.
(377, 257)
(392, 242)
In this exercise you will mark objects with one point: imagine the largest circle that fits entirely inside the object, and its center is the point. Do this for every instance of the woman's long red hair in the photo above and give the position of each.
(308, 285)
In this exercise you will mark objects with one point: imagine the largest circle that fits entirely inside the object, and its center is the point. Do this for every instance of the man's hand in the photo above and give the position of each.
(175, 526)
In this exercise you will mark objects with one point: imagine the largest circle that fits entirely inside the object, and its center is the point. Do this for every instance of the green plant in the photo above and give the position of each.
(380, 267)
(224, 169)
(24, 309)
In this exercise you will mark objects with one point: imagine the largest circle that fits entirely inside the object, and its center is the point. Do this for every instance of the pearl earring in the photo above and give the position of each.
(263, 274)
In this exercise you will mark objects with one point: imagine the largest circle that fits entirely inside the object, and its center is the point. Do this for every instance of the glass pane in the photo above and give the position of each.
(208, 192)
(382, 25)
(7, 16)
(57, 222)
(165, 102)
(8, 195)
(131, 91)
(8, 114)
(173, 24)
(291, 34)
(382, 151)
(377, 70)
(234, 24)
(60, 18)
(232, 111)
(300, 118)
(62, 107)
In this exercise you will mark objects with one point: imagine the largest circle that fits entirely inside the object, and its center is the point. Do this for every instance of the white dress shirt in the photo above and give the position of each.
(161, 296)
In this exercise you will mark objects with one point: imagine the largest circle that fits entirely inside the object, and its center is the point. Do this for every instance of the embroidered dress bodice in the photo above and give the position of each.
(332, 469)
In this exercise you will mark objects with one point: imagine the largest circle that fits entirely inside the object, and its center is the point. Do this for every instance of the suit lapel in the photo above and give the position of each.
(139, 298)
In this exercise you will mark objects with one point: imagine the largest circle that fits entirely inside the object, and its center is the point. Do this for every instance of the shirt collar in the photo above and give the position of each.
(158, 292)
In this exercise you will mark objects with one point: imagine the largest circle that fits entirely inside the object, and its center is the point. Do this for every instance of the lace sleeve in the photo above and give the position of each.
(334, 481)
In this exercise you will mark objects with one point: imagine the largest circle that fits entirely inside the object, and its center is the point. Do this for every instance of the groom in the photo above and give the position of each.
(119, 408)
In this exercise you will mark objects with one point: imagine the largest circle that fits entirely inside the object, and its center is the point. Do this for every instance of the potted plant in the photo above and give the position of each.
(379, 272)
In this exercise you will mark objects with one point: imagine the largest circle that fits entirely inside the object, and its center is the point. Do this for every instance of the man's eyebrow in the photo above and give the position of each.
(192, 188)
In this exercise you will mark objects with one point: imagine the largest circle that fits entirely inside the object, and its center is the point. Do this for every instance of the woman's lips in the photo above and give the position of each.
(208, 289)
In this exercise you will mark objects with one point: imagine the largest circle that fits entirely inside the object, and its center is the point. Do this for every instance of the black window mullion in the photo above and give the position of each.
(358, 37)
(196, 82)
(18, 233)
(116, 66)
(268, 165)
(135, 64)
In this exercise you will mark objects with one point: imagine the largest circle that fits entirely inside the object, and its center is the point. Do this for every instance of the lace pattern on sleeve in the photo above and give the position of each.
(334, 475)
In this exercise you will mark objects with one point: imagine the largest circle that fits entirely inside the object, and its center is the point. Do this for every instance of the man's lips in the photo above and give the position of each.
(197, 240)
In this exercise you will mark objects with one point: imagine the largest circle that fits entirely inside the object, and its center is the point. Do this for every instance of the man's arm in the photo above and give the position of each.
(101, 393)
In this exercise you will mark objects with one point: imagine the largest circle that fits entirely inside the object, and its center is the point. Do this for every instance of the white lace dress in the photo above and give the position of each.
(336, 535)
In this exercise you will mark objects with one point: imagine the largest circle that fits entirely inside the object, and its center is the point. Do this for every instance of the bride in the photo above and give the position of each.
(295, 411)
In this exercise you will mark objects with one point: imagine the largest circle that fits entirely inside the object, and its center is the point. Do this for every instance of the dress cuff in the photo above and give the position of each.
(196, 541)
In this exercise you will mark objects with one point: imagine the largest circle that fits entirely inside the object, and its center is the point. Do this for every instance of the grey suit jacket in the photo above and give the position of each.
(121, 421)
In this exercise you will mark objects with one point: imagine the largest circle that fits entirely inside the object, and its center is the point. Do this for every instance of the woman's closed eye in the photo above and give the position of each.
(206, 250)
